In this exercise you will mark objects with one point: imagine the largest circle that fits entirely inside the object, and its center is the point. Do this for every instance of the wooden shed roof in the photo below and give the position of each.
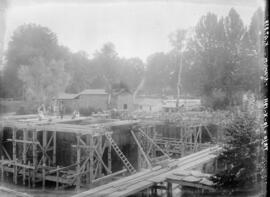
(93, 92)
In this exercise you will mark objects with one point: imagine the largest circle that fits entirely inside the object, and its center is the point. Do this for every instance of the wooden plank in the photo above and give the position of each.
(14, 155)
(34, 138)
(44, 143)
(141, 149)
(13, 192)
(25, 136)
(54, 147)
(137, 182)
(78, 180)
(110, 175)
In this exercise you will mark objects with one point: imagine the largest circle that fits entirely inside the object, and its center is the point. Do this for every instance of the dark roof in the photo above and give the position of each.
(93, 92)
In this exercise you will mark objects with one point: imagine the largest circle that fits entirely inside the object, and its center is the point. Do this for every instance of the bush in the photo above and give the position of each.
(217, 100)
(241, 154)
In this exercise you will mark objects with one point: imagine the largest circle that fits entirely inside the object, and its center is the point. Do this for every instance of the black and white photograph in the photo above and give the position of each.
(133, 98)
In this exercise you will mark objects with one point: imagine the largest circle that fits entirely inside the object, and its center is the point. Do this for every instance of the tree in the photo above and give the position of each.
(240, 156)
(179, 41)
(82, 72)
(28, 42)
(131, 72)
(43, 80)
(3, 8)
(106, 62)
(207, 58)
(157, 73)
(218, 65)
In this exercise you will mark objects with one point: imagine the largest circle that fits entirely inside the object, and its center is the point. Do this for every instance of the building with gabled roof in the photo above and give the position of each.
(93, 98)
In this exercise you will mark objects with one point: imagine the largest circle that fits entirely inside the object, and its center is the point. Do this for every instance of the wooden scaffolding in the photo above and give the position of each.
(32, 155)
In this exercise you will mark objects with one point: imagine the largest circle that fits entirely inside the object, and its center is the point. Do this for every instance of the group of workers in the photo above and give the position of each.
(55, 109)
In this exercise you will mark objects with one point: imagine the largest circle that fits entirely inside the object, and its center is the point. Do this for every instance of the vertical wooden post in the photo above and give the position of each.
(29, 175)
(154, 191)
(169, 189)
(182, 142)
(139, 158)
(88, 163)
(54, 148)
(100, 153)
(43, 176)
(44, 144)
(2, 170)
(34, 157)
(1, 136)
(195, 141)
(200, 136)
(91, 158)
(14, 155)
(78, 181)
(216, 165)
(153, 148)
(25, 132)
(57, 177)
(148, 194)
(109, 156)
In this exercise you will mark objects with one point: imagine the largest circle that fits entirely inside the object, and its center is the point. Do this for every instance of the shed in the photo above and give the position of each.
(70, 101)
(149, 104)
(93, 98)
(123, 101)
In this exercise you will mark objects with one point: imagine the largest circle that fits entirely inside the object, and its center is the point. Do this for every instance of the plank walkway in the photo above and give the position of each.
(140, 181)
(12, 193)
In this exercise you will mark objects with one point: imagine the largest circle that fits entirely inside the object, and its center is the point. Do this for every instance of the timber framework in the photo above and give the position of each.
(31, 150)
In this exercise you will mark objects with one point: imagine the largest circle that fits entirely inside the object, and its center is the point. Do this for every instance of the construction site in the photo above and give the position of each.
(145, 156)
(133, 99)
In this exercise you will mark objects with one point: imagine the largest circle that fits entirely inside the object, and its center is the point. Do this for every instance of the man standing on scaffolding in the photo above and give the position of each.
(61, 110)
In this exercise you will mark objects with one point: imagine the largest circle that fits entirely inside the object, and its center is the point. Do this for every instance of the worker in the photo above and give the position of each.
(61, 110)
(75, 114)
(40, 112)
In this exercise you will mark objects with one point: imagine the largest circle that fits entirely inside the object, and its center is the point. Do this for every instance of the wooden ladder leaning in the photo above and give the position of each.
(127, 164)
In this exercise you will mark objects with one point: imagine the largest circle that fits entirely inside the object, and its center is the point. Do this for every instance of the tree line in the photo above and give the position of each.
(220, 58)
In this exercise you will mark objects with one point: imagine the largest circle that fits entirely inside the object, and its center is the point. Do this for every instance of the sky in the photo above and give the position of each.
(137, 28)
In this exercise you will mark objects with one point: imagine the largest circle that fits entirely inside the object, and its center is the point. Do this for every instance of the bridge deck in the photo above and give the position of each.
(143, 180)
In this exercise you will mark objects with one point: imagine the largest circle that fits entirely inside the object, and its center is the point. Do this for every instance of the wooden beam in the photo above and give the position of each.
(14, 155)
(141, 149)
(25, 136)
(110, 156)
(57, 177)
(44, 143)
(22, 141)
(101, 161)
(110, 176)
(99, 150)
(54, 147)
(91, 158)
(169, 189)
(34, 138)
(6, 153)
(151, 140)
(2, 170)
(78, 180)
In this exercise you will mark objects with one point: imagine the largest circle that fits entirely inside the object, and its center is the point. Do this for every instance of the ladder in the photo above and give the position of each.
(128, 165)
